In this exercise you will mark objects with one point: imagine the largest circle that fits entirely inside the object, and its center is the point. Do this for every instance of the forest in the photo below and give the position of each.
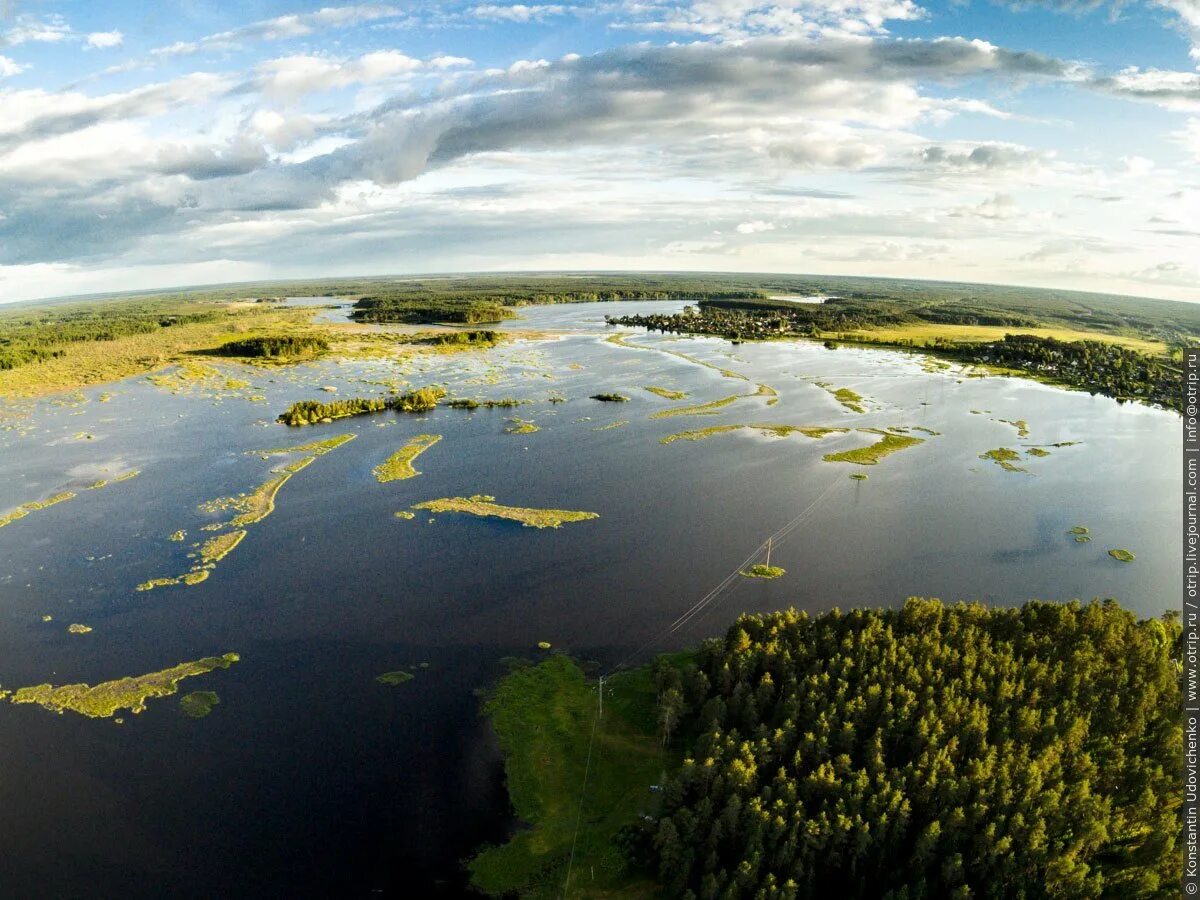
(274, 347)
(928, 751)
(310, 412)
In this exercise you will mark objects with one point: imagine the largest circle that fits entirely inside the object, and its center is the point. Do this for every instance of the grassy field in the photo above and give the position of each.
(544, 716)
(924, 334)
(96, 362)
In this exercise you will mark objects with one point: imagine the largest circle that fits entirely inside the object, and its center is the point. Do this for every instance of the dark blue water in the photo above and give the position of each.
(309, 778)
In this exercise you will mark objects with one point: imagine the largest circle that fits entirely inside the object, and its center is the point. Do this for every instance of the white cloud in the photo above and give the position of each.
(1189, 137)
(27, 28)
(755, 227)
(102, 40)
(518, 12)
(9, 67)
(291, 76)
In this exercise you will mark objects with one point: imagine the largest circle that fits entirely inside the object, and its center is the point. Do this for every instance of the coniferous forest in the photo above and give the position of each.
(930, 751)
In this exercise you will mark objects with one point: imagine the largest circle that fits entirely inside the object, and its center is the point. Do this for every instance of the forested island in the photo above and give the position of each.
(927, 751)
(1099, 366)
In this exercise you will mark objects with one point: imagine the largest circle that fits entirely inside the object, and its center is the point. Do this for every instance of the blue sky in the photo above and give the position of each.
(1045, 143)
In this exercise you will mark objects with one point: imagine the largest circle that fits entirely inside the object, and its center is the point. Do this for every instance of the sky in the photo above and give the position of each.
(1050, 143)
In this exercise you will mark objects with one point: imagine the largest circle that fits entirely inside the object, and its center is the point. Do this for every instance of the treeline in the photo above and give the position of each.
(29, 337)
(1093, 365)
(284, 347)
(404, 310)
(455, 339)
(928, 752)
(310, 412)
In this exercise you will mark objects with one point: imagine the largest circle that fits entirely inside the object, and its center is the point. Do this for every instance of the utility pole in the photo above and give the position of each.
(600, 714)
(769, 551)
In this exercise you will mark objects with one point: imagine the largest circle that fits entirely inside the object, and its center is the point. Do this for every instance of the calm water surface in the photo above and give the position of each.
(309, 778)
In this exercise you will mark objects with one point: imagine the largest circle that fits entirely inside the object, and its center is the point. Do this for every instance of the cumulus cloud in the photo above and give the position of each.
(27, 28)
(1171, 90)
(518, 12)
(735, 19)
(9, 67)
(102, 40)
(291, 76)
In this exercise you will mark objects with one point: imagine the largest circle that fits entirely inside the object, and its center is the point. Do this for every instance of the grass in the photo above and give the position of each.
(107, 698)
(399, 465)
(869, 456)
(1078, 529)
(852, 400)
(76, 628)
(1122, 555)
(925, 334)
(484, 505)
(758, 570)
(521, 426)
(1020, 424)
(316, 448)
(216, 549)
(1004, 457)
(666, 393)
(393, 678)
(765, 390)
(543, 716)
(1037, 451)
(198, 704)
(34, 506)
(859, 476)
(620, 423)
(702, 409)
(700, 434)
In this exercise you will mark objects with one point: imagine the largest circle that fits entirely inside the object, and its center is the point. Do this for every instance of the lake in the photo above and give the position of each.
(310, 778)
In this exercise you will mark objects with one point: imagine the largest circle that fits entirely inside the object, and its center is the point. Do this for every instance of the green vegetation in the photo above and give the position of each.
(702, 409)
(34, 506)
(935, 751)
(1082, 539)
(404, 514)
(315, 448)
(198, 704)
(1004, 457)
(1020, 424)
(848, 398)
(1037, 451)
(869, 456)
(216, 549)
(502, 403)
(79, 629)
(285, 347)
(131, 693)
(1122, 555)
(393, 678)
(521, 426)
(620, 423)
(611, 398)
(700, 434)
(545, 717)
(544, 645)
(666, 393)
(858, 476)
(310, 412)
(399, 465)
(484, 505)
(760, 570)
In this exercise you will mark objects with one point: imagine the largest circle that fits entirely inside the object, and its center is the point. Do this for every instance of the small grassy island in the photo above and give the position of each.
(870, 456)
(769, 430)
(104, 700)
(399, 465)
(198, 704)
(1122, 555)
(518, 425)
(394, 678)
(285, 348)
(665, 393)
(858, 754)
(484, 505)
(759, 570)
(611, 398)
(1005, 457)
(701, 409)
(310, 412)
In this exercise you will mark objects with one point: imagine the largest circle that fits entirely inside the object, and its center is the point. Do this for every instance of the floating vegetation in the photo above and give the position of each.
(699, 434)
(611, 398)
(620, 423)
(521, 426)
(47, 618)
(394, 678)
(1020, 424)
(703, 409)
(399, 465)
(848, 398)
(1037, 451)
(858, 476)
(216, 549)
(1004, 457)
(405, 514)
(1078, 529)
(544, 645)
(928, 431)
(251, 508)
(869, 456)
(34, 506)
(1122, 555)
(1082, 539)
(79, 629)
(762, 571)
(96, 485)
(666, 393)
(765, 390)
(131, 693)
(620, 340)
(198, 704)
(484, 505)
(178, 535)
